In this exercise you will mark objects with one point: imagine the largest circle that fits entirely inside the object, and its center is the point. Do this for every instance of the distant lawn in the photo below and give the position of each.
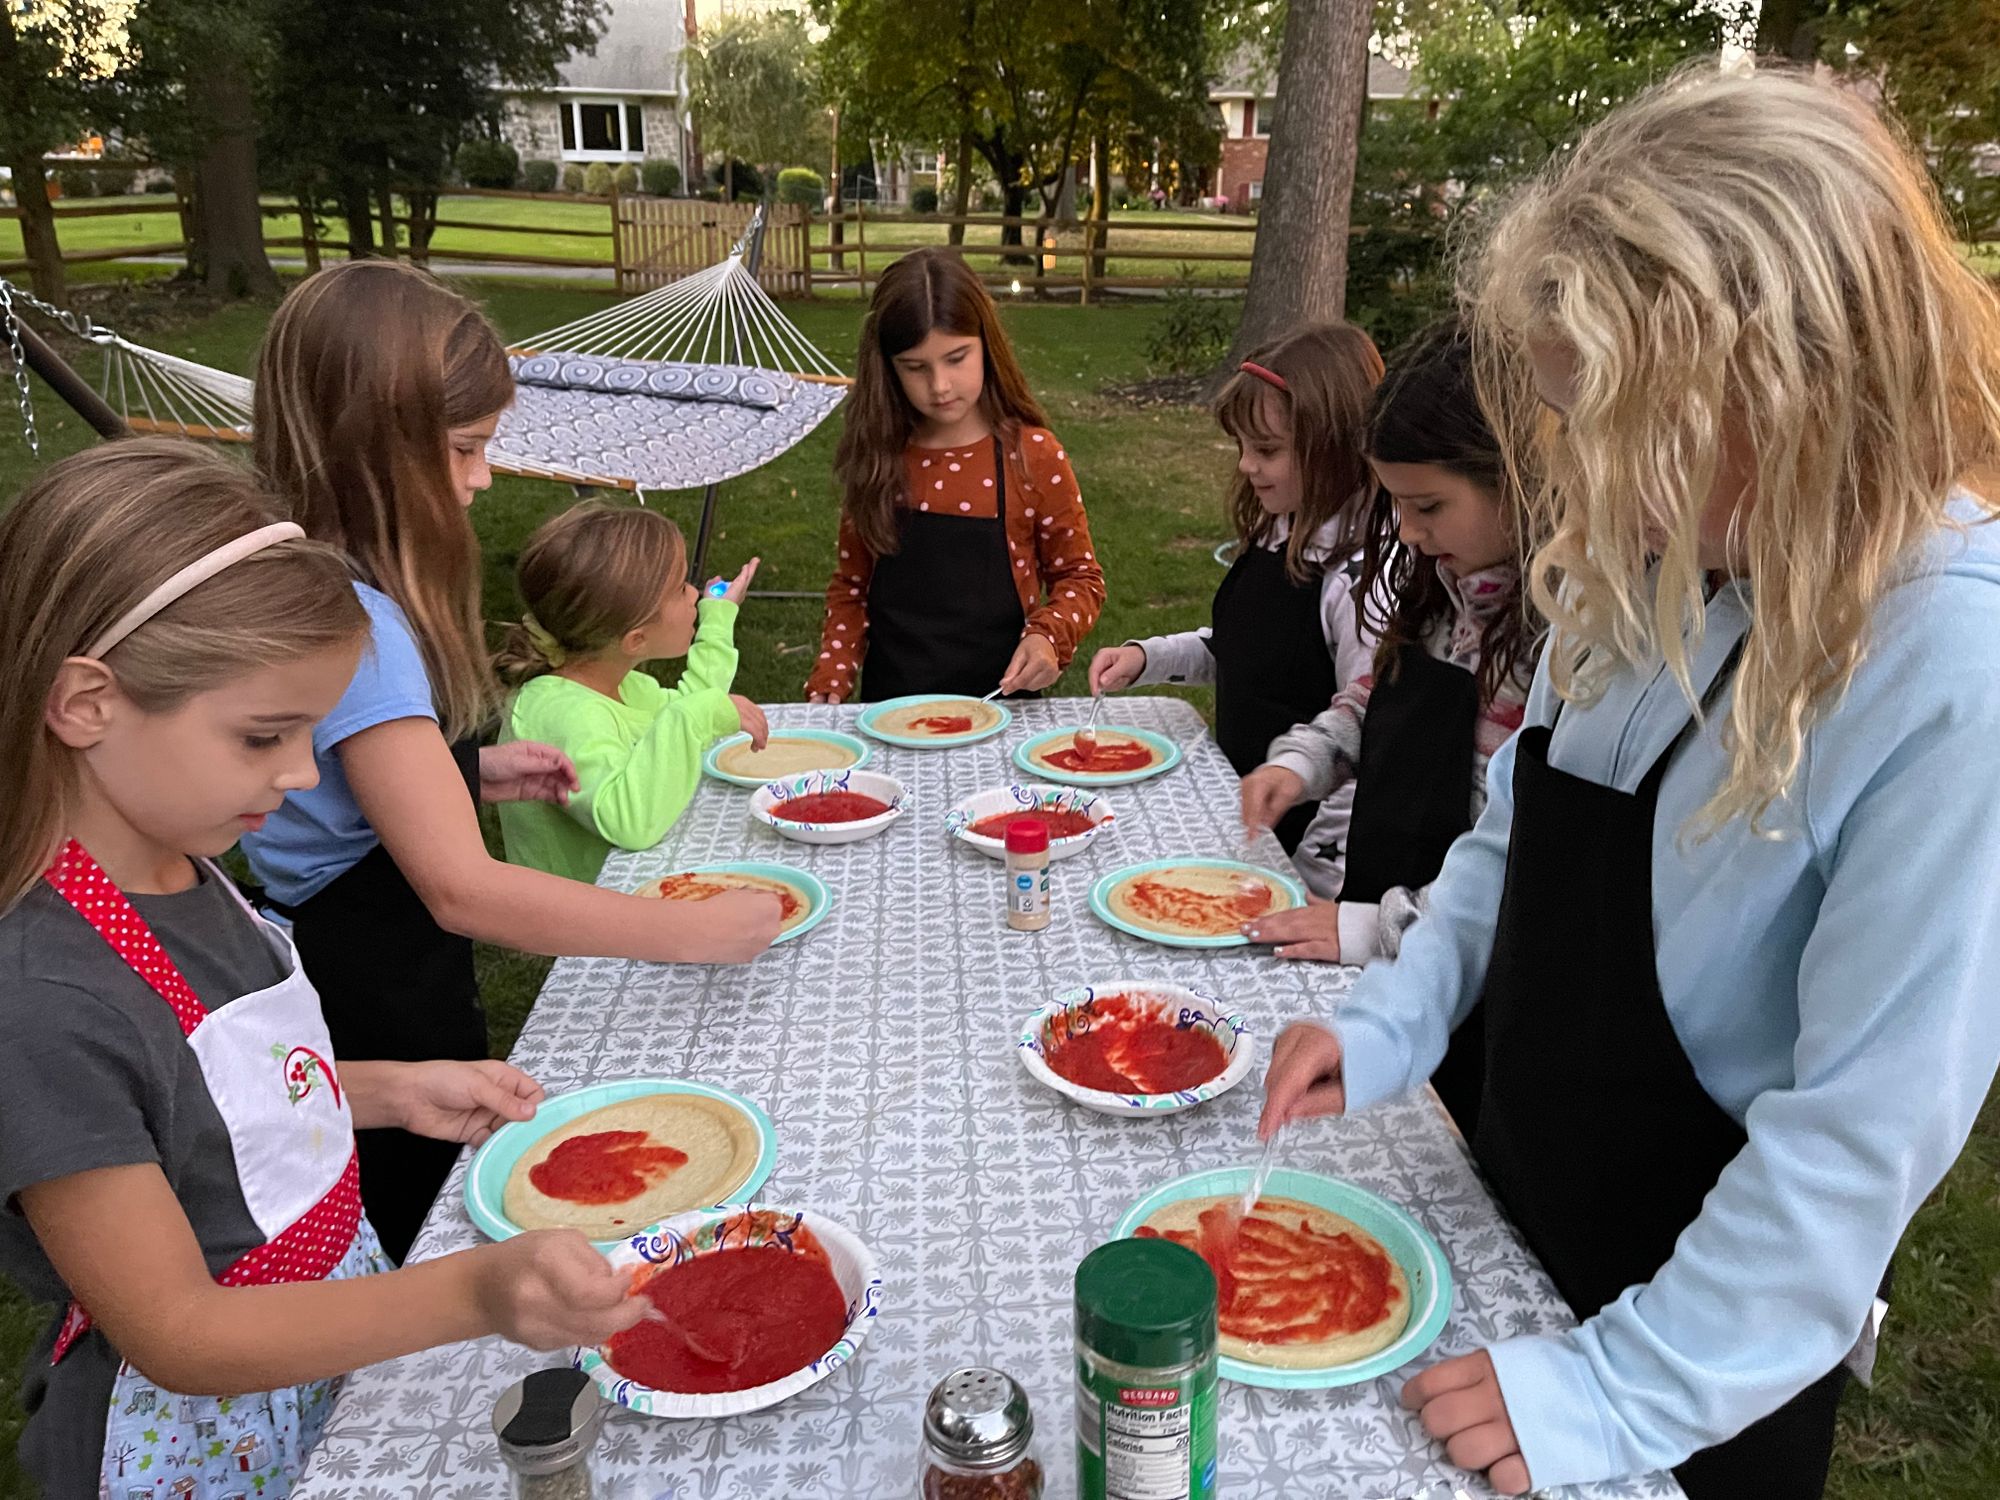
(1152, 481)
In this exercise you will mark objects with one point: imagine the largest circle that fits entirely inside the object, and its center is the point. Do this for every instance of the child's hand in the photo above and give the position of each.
(523, 771)
(752, 718)
(1461, 1405)
(1269, 792)
(1309, 931)
(1033, 668)
(730, 928)
(740, 587)
(464, 1101)
(1303, 1080)
(1116, 667)
(833, 698)
(548, 1288)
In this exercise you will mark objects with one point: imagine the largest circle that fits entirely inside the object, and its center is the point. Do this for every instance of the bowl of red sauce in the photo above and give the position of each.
(829, 807)
(1074, 817)
(760, 1303)
(1136, 1047)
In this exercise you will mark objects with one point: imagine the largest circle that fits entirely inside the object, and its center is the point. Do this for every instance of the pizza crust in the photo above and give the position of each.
(720, 1142)
(730, 880)
(1106, 740)
(1205, 879)
(784, 755)
(902, 721)
(1184, 1217)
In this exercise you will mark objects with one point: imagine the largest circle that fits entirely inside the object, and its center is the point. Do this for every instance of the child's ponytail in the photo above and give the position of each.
(587, 577)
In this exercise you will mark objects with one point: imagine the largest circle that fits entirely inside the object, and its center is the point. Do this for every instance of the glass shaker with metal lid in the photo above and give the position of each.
(979, 1440)
(547, 1425)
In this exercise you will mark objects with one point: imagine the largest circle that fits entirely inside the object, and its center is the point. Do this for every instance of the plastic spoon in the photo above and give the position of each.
(695, 1346)
(1085, 739)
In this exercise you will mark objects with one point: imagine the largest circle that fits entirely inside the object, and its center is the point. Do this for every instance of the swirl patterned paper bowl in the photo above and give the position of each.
(1069, 1013)
(1019, 798)
(767, 805)
(728, 1231)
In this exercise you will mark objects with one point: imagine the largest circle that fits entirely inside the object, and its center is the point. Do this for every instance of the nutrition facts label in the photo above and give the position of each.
(1146, 1452)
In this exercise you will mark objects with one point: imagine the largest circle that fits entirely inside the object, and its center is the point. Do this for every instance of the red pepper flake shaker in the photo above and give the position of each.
(979, 1439)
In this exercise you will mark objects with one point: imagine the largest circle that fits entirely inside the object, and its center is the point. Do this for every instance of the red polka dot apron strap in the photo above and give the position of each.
(315, 1232)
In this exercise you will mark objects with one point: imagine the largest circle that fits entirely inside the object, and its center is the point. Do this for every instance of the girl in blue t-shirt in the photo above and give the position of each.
(177, 1151)
(377, 391)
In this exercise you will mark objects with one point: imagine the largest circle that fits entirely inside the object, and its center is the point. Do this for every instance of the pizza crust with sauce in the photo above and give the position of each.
(720, 1144)
(1043, 755)
(784, 755)
(1195, 900)
(693, 886)
(907, 721)
(1292, 1272)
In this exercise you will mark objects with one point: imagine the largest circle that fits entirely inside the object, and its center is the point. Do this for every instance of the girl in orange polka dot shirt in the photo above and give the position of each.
(965, 561)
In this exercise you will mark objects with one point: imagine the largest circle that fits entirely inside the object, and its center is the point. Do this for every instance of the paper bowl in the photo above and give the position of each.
(1071, 1009)
(1019, 797)
(1408, 1243)
(704, 1232)
(767, 805)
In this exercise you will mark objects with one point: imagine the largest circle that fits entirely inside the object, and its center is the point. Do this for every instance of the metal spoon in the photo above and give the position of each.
(1085, 739)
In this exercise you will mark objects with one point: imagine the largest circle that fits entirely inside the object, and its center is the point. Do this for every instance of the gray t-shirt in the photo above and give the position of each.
(96, 1073)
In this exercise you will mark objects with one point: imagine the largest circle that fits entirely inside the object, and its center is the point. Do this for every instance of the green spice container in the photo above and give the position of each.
(1145, 1373)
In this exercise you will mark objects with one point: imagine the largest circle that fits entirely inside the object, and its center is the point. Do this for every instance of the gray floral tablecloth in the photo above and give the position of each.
(881, 1043)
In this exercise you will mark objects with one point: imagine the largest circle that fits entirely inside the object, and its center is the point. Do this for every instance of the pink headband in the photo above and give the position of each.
(191, 577)
(1269, 377)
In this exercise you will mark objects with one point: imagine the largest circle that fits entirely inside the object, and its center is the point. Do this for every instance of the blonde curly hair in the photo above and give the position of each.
(1737, 265)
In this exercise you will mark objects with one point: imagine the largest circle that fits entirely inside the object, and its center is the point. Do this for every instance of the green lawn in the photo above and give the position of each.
(1152, 480)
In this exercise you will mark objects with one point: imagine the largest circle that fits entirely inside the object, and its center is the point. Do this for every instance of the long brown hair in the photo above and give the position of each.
(1329, 371)
(588, 576)
(1426, 411)
(87, 540)
(925, 291)
(365, 370)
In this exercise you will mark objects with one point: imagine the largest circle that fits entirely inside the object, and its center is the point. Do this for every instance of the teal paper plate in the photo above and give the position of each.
(859, 748)
(1100, 903)
(871, 717)
(493, 1163)
(1408, 1243)
(1169, 752)
(819, 900)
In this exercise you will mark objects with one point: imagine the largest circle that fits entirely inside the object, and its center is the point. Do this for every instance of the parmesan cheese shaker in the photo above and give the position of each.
(1027, 875)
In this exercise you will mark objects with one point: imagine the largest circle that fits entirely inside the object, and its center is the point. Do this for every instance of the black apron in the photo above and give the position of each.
(395, 987)
(1272, 667)
(943, 613)
(1412, 799)
(1596, 1135)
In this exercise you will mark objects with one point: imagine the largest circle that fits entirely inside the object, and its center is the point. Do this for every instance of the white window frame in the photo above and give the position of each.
(572, 104)
(1256, 194)
(1261, 123)
(924, 161)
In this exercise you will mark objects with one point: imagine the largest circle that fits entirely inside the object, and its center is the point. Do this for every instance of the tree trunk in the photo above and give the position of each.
(359, 216)
(385, 210)
(1299, 271)
(961, 190)
(1100, 201)
(423, 209)
(834, 228)
(229, 222)
(309, 231)
(38, 230)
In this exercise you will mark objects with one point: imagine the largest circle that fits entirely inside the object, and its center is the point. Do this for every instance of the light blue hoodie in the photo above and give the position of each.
(1837, 990)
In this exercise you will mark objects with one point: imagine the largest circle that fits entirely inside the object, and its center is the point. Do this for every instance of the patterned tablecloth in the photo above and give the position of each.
(882, 1045)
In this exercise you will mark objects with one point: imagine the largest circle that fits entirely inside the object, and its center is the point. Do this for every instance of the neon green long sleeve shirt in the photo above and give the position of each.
(638, 756)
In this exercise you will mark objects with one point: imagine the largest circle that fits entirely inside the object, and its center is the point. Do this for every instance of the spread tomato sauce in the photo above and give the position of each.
(607, 1167)
(1126, 1045)
(944, 724)
(735, 1319)
(1284, 1282)
(1062, 822)
(700, 888)
(1108, 757)
(829, 807)
(1212, 912)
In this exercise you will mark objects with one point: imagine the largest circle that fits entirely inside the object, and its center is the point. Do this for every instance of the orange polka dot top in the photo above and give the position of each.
(1056, 572)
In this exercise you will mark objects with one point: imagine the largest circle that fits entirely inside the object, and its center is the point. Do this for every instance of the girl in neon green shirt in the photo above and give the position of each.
(606, 588)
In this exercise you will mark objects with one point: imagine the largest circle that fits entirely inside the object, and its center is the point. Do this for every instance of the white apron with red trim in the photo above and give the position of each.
(269, 1067)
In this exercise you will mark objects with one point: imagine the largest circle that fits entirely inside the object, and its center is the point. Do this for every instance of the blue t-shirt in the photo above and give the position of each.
(320, 834)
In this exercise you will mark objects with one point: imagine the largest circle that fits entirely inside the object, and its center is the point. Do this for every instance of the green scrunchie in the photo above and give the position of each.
(550, 648)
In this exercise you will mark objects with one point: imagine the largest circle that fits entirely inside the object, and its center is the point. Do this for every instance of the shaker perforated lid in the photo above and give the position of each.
(979, 1418)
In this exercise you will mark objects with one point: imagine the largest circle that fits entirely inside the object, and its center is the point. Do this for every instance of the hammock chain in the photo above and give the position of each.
(10, 318)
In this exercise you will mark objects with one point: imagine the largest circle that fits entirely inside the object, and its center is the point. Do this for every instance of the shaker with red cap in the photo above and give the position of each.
(1027, 875)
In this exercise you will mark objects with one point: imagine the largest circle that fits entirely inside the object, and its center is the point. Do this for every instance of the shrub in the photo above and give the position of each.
(76, 182)
(573, 177)
(803, 186)
(924, 200)
(540, 176)
(710, 195)
(626, 178)
(487, 163)
(748, 180)
(990, 202)
(1193, 331)
(597, 179)
(660, 177)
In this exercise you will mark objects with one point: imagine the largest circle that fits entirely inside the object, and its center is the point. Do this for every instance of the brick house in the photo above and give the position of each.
(1246, 97)
(625, 102)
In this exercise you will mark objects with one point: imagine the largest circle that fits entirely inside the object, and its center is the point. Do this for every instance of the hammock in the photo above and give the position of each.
(697, 382)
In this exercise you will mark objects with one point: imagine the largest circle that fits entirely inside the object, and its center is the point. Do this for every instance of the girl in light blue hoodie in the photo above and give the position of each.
(1731, 910)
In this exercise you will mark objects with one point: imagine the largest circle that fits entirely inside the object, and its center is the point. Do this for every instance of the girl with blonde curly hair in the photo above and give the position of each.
(1728, 914)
